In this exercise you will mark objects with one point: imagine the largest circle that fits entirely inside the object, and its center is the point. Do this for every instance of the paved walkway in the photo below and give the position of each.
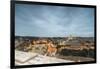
(25, 58)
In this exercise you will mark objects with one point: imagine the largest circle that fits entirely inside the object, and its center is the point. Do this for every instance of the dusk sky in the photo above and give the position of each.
(53, 21)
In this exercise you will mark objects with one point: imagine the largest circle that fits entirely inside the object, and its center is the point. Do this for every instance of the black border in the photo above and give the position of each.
(12, 33)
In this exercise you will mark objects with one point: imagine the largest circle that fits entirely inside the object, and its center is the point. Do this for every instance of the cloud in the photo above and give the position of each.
(53, 21)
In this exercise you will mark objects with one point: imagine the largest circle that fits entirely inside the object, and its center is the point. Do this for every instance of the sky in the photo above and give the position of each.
(53, 21)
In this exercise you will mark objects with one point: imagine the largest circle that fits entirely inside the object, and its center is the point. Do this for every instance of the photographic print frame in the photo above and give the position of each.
(13, 20)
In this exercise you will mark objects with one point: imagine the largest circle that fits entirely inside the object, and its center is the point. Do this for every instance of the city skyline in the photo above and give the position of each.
(53, 21)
